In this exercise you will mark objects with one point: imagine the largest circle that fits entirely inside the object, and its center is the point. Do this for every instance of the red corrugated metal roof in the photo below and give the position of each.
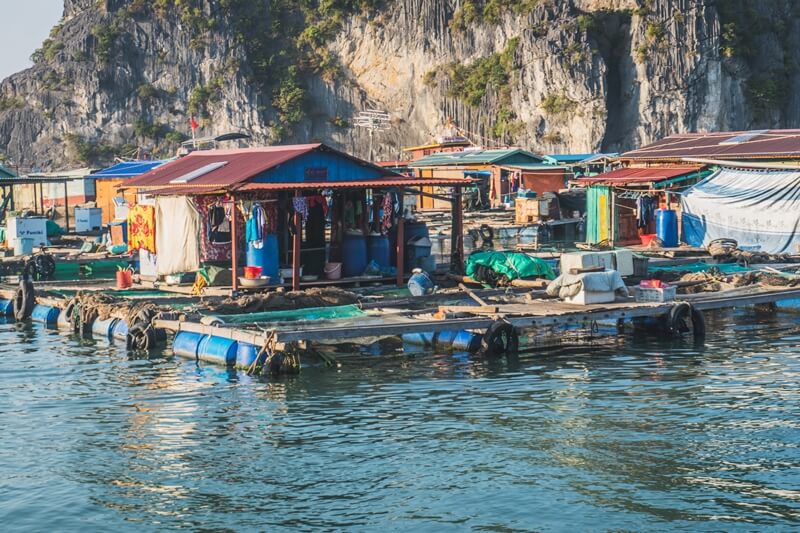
(628, 176)
(769, 144)
(240, 166)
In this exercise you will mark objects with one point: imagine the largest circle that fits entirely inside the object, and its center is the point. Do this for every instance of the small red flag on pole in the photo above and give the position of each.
(194, 125)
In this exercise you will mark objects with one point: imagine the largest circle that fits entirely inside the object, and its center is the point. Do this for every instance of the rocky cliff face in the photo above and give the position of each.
(551, 75)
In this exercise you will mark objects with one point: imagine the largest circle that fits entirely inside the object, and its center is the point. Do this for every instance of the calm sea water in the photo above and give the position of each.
(631, 435)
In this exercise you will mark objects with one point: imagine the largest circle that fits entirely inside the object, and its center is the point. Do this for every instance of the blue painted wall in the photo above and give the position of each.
(338, 168)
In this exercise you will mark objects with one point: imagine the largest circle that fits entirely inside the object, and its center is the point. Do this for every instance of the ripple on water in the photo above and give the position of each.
(640, 434)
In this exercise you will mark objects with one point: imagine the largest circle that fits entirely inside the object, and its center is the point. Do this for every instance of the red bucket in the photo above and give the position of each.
(252, 272)
(124, 279)
(647, 238)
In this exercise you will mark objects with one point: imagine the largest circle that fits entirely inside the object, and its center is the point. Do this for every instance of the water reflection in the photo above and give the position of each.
(634, 433)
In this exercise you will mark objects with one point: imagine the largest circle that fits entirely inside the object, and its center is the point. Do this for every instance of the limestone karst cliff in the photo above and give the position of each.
(551, 75)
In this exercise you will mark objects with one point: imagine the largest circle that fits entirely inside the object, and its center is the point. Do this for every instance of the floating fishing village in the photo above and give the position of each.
(256, 256)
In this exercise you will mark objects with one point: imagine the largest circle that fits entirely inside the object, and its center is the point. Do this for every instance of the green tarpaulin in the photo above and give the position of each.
(513, 265)
(294, 315)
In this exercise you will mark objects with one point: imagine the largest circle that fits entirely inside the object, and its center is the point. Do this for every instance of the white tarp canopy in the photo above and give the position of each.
(758, 208)
(177, 235)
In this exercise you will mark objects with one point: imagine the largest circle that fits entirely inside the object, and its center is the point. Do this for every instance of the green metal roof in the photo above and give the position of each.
(478, 157)
(535, 166)
(6, 172)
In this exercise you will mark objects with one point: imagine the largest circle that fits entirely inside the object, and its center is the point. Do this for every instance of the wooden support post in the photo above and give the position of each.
(401, 237)
(234, 248)
(66, 205)
(35, 198)
(41, 198)
(298, 235)
(457, 237)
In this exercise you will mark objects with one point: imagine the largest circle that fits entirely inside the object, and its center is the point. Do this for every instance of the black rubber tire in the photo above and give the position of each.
(501, 338)
(24, 300)
(140, 337)
(44, 266)
(678, 319)
(683, 318)
(698, 323)
(487, 235)
(69, 311)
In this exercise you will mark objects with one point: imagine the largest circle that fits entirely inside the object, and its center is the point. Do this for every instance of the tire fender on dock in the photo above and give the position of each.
(684, 318)
(500, 338)
(24, 300)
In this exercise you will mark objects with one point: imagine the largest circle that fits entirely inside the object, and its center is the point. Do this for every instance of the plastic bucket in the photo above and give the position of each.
(45, 314)
(124, 279)
(252, 272)
(6, 308)
(187, 343)
(647, 238)
(333, 270)
(104, 328)
(420, 284)
(217, 350)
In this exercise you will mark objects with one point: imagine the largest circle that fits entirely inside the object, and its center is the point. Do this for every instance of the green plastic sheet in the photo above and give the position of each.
(296, 315)
(513, 265)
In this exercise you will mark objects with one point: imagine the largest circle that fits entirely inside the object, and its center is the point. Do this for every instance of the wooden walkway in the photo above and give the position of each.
(536, 314)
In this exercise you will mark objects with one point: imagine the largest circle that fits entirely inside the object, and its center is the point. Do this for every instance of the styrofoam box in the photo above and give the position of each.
(582, 260)
(623, 262)
(88, 219)
(593, 297)
(27, 228)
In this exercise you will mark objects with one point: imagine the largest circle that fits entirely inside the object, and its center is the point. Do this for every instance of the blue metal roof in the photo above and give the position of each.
(128, 169)
(6, 172)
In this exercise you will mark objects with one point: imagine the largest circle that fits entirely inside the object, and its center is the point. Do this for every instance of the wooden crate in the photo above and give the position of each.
(531, 210)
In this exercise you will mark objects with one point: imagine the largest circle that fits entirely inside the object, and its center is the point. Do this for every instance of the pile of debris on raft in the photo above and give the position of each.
(727, 251)
(283, 301)
(714, 280)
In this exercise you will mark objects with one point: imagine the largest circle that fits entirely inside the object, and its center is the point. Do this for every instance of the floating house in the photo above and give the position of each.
(739, 146)
(107, 182)
(442, 144)
(497, 173)
(324, 212)
(584, 164)
(621, 204)
(656, 176)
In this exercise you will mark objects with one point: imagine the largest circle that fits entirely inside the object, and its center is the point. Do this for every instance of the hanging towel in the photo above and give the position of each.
(300, 206)
(142, 228)
(178, 237)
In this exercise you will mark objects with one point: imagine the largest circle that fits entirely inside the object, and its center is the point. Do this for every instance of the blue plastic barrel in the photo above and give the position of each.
(265, 257)
(6, 308)
(217, 350)
(246, 354)
(459, 341)
(104, 328)
(187, 343)
(354, 255)
(45, 314)
(379, 250)
(120, 330)
(667, 227)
